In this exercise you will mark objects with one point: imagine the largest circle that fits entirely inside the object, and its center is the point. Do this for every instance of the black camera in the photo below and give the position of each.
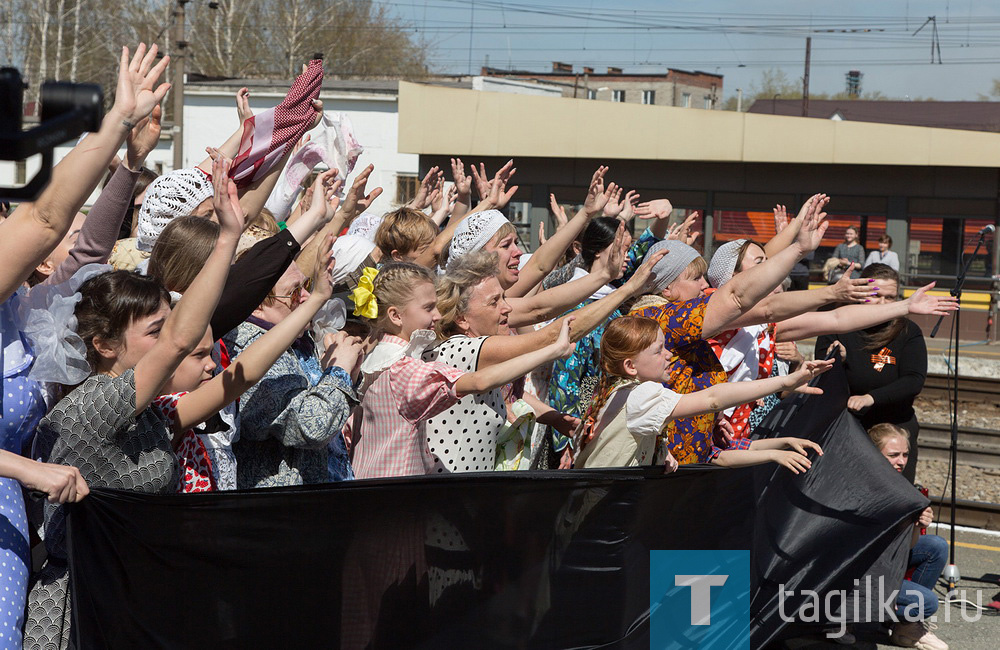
(68, 109)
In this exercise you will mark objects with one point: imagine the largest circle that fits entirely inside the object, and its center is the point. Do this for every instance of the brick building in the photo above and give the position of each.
(674, 88)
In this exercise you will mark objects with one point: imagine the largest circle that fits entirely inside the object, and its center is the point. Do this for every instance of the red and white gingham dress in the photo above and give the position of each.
(391, 440)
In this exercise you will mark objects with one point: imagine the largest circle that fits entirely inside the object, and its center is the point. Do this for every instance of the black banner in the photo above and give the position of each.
(556, 559)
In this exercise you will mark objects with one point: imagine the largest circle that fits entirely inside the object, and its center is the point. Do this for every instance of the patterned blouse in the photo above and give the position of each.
(569, 375)
(692, 367)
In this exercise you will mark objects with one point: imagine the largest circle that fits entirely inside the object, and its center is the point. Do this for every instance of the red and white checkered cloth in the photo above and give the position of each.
(268, 135)
(392, 440)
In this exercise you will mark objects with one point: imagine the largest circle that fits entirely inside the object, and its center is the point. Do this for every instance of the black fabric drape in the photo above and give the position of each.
(556, 559)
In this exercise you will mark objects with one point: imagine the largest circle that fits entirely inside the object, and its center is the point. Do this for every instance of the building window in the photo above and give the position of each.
(649, 97)
(686, 100)
(406, 187)
(708, 101)
(591, 94)
(618, 95)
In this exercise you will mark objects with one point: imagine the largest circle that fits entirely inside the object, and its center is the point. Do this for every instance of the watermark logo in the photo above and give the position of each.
(699, 599)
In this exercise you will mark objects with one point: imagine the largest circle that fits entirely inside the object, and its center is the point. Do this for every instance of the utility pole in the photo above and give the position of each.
(805, 79)
(177, 83)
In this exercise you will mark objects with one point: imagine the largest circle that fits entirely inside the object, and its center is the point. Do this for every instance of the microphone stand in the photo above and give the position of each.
(951, 573)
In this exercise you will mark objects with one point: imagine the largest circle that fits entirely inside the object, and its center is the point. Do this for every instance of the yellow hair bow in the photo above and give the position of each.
(363, 295)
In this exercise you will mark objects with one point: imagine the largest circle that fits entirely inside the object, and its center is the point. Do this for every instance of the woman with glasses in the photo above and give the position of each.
(886, 365)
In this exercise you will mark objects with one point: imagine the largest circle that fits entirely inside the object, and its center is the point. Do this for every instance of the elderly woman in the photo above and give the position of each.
(475, 328)
(291, 422)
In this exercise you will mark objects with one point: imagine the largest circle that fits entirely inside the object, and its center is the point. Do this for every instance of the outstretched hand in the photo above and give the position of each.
(226, 200)
(355, 200)
(921, 302)
(813, 223)
(806, 372)
(323, 282)
(847, 289)
(142, 139)
(137, 92)
(564, 345)
(597, 196)
(243, 104)
(643, 279)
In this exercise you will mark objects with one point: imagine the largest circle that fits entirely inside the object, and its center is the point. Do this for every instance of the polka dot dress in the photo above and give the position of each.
(464, 438)
(23, 406)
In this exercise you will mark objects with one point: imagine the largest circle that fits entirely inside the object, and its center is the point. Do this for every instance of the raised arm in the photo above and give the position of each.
(504, 372)
(29, 234)
(544, 260)
(500, 348)
(463, 189)
(188, 322)
(787, 231)
(496, 196)
(354, 203)
(253, 363)
(746, 289)
(858, 317)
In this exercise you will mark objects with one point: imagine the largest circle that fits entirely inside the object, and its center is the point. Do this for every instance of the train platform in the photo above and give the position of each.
(976, 358)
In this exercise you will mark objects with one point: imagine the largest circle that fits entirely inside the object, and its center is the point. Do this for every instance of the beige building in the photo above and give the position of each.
(674, 88)
(930, 189)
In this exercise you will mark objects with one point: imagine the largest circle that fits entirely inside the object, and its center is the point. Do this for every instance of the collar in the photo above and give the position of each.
(303, 345)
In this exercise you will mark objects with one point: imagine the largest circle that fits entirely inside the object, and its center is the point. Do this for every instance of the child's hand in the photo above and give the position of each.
(803, 446)
(343, 351)
(793, 460)
(805, 373)
(226, 201)
(323, 282)
(564, 345)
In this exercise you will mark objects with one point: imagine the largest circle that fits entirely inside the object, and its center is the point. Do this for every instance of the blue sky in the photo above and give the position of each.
(738, 39)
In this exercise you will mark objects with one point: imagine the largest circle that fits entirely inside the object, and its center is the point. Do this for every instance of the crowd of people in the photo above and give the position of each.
(247, 334)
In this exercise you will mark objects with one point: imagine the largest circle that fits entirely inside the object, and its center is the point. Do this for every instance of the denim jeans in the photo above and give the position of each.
(927, 558)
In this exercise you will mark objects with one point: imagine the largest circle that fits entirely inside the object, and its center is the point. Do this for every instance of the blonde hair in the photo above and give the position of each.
(181, 250)
(265, 221)
(880, 434)
(504, 230)
(405, 231)
(455, 287)
(394, 287)
(697, 268)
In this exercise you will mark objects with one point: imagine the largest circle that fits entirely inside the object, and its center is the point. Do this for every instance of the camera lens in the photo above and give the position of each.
(59, 97)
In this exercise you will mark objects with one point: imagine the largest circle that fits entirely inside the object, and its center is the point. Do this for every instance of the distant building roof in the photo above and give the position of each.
(967, 116)
(376, 86)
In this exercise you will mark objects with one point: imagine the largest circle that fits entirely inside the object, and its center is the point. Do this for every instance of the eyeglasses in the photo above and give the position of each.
(296, 293)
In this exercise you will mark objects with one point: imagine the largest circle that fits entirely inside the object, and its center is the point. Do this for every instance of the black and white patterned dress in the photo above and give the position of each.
(95, 429)
(464, 438)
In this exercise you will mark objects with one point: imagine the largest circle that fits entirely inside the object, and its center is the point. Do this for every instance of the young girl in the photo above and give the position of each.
(630, 405)
(105, 426)
(403, 391)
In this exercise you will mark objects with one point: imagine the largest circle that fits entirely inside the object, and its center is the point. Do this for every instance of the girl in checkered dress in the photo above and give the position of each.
(400, 390)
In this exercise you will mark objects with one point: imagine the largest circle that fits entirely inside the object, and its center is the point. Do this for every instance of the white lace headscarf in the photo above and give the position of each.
(723, 264)
(474, 231)
(175, 194)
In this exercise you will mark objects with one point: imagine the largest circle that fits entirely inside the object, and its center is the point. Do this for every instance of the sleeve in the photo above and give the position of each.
(859, 255)
(911, 361)
(648, 407)
(893, 261)
(636, 252)
(100, 229)
(869, 260)
(423, 390)
(561, 275)
(682, 323)
(250, 278)
(741, 444)
(283, 406)
(108, 405)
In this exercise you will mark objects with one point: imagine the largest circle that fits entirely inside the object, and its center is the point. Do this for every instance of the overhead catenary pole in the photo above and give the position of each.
(805, 79)
(177, 83)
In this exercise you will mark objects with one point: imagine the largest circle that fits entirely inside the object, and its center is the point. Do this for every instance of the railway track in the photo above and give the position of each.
(985, 389)
(967, 513)
(977, 447)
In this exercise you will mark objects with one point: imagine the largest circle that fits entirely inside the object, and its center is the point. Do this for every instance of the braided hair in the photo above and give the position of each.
(394, 286)
(624, 338)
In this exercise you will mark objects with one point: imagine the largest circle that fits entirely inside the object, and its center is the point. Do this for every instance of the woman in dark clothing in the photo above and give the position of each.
(886, 366)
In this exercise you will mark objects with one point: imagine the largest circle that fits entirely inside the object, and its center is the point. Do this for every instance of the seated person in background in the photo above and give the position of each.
(844, 254)
(883, 255)
(916, 602)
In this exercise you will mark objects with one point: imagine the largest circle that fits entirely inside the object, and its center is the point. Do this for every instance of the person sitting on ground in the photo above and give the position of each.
(916, 602)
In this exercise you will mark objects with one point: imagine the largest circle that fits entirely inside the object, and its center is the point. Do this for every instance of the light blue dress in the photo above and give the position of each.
(23, 406)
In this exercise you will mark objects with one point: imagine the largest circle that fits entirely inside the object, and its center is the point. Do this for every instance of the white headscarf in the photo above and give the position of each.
(474, 231)
(175, 194)
(723, 265)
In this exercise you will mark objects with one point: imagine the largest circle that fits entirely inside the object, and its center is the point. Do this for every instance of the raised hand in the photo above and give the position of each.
(427, 185)
(499, 196)
(614, 206)
(558, 212)
(463, 183)
(612, 259)
(541, 234)
(597, 197)
(325, 201)
(137, 92)
(780, 218)
(243, 105)
(628, 206)
(814, 223)
(643, 279)
(226, 201)
(806, 372)
(142, 139)
(323, 280)
(848, 290)
(355, 200)
(921, 302)
(655, 209)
